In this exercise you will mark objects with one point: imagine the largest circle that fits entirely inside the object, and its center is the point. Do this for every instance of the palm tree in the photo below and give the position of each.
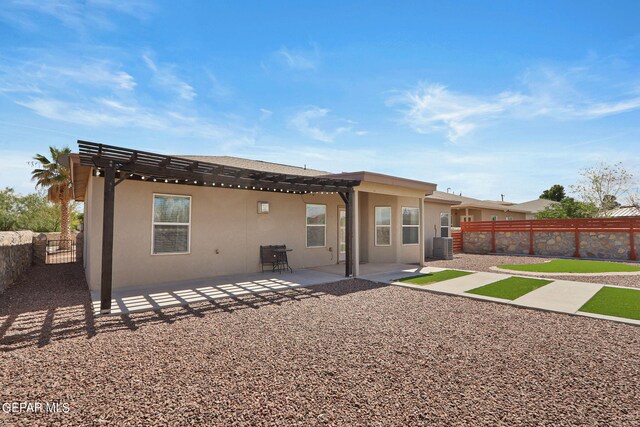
(50, 174)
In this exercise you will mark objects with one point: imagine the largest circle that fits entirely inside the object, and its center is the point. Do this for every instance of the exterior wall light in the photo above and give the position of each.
(263, 207)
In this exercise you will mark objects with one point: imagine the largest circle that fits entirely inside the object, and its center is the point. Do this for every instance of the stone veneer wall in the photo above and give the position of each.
(476, 242)
(16, 252)
(512, 242)
(605, 245)
(610, 245)
(554, 243)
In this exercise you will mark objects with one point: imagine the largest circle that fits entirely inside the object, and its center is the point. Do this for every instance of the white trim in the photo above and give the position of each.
(448, 227)
(410, 226)
(153, 223)
(306, 218)
(342, 208)
(375, 226)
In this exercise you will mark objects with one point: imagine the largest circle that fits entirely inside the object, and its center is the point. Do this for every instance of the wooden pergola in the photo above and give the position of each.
(117, 164)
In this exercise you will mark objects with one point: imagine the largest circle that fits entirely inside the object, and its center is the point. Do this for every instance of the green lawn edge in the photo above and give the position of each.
(510, 289)
(617, 302)
(428, 278)
(574, 266)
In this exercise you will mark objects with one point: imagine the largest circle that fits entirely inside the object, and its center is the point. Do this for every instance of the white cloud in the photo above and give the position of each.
(36, 77)
(79, 15)
(299, 60)
(316, 123)
(102, 112)
(431, 108)
(265, 113)
(568, 95)
(165, 77)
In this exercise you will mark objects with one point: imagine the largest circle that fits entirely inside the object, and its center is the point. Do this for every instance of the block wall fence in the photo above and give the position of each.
(21, 249)
(597, 238)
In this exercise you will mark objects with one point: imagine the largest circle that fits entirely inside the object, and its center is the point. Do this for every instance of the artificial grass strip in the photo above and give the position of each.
(511, 288)
(619, 302)
(574, 266)
(439, 276)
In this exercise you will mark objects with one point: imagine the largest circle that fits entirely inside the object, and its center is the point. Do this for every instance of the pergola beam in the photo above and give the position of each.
(171, 168)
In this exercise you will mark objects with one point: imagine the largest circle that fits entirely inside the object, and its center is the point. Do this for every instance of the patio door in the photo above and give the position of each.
(342, 234)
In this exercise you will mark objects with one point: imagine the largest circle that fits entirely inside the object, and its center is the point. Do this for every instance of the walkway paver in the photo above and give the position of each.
(463, 284)
(561, 295)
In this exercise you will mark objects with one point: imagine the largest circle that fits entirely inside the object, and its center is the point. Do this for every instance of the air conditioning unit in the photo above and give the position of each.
(443, 247)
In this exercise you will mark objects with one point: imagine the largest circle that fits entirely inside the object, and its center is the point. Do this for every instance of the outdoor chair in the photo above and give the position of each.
(268, 257)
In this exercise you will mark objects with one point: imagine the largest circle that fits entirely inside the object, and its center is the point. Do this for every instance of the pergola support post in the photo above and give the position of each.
(421, 228)
(355, 233)
(107, 238)
(348, 264)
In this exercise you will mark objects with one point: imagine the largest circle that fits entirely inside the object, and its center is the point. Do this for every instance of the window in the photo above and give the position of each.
(383, 226)
(509, 218)
(444, 224)
(494, 217)
(171, 224)
(410, 226)
(316, 226)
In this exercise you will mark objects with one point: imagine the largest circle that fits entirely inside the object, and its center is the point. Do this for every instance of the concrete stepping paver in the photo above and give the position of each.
(460, 285)
(561, 295)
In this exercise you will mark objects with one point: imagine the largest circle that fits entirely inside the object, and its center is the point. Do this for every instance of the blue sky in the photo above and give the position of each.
(485, 98)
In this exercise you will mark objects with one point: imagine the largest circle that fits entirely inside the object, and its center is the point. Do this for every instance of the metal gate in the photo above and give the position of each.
(61, 251)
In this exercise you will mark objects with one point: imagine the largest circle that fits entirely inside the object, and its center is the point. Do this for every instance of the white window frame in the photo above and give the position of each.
(410, 225)
(494, 217)
(307, 225)
(375, 228)
(448, 227)
(508, 218)
(154, 223)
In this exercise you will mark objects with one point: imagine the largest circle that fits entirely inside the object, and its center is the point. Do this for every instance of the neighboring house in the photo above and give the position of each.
(534, 206)
(152, 219)
(623, 211)
(469, 209)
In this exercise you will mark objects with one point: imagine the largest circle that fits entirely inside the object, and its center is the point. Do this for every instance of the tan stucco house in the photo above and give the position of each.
(153, 219)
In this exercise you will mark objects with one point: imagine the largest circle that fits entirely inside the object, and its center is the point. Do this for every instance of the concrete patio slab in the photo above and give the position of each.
(561, 295)
(183, 293)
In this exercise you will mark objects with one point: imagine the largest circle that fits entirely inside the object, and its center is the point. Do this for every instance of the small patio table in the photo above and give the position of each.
(282, 263)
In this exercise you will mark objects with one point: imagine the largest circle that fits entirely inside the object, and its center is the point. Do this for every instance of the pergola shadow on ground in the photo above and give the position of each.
(51, 303)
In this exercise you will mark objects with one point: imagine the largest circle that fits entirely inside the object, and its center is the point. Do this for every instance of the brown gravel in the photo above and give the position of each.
(484, 262)
(349, 353)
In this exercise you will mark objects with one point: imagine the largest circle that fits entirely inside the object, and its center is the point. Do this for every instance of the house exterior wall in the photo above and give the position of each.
(397, 251)
(457, 214)
(431, 220)
(484, 215)
(226, 232)
(221, 220)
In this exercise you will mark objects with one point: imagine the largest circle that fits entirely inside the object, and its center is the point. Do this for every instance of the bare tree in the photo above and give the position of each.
(603, 183)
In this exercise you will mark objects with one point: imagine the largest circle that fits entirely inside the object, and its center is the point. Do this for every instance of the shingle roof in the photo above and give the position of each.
(258, 165)
(535, 206)
(486, 204)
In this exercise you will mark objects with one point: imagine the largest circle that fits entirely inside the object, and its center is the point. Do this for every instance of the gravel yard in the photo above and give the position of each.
(484, 262)
(348, 353)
